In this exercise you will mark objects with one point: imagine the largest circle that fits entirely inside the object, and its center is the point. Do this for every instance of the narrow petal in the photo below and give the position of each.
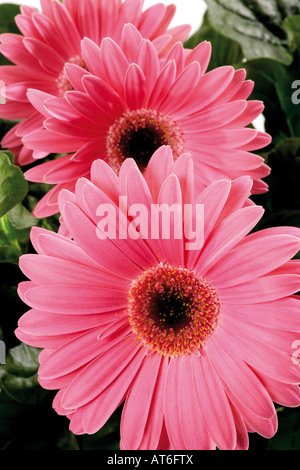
(104, 251)
(135, 87)
(261, 256)
(138, 402)
(214, 404)
(99, 374)
(227, 234)
(169, 201)
(184, 421)
(101, 408)
(264, 289)
(240, 379)
(158, 169)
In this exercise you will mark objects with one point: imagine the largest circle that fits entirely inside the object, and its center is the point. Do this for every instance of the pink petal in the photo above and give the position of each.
(105, 252)
(181, 90)
(155, 422)
(105, 179)
(150, 18)
(213, 118)
(267, 360)
(171, 227)
(138, 402)
(202, 54)
(48, 270)
(213, 197)
(261, 256)
(163, 84)
(100, 373)
(135, 87)
(184, 420)
(66, 26)
(281, 393)
(147, 60)
(129, 242)
(104, 96)
(240, 379)
(75, 300)
(137, 192)
(50, 142)
(38, 323)
(130, 40)
(79, 352)
(264, 289)
(158, 169)
(75, 74)
(269, 314)
(227, 234)
(54, 62)
(115, 64)
(210, 86)
(214, 404)
(98, 411)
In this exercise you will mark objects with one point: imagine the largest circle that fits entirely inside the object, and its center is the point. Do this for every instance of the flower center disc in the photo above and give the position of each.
(138, 134)
(172, 310)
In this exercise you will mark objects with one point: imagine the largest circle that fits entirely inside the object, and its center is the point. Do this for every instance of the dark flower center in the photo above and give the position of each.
(172, 310)
(138, 134)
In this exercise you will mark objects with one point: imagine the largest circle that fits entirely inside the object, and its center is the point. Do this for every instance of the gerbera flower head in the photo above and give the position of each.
(52, 37)
(193, 332)
(132, 101)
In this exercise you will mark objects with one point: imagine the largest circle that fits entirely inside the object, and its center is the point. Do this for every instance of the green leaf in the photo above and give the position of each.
(224, 50)
(22, 222)
(273, 85)
(33, 427)
(13, 186)
(19, 375)
(282, 202)
(10, 249)
(288, 434)
(292, 27)
(245, 23)
(5, 125)
(107, 438)
(8, 12)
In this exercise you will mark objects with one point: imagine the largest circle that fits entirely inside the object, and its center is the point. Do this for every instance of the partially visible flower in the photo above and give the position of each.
(197, 343)
(131, 102)
(52, 37)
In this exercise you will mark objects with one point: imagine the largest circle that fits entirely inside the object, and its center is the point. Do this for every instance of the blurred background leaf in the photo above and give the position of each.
(13, 186)
(7, 23)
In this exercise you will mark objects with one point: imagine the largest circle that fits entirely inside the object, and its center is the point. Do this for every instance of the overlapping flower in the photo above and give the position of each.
(132, 101)
(192, 340)
(52, 37)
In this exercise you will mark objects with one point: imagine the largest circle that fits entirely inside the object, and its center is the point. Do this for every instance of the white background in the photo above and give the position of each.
(188, 11)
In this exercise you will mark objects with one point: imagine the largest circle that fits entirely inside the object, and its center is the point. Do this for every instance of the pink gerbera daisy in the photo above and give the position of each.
(131, 102)
(198, 343)
(52, 37)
